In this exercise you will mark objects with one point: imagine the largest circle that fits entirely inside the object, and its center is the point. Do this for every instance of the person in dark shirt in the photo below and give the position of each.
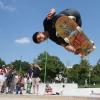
(36, 78)
(50, 31)
(30, 71)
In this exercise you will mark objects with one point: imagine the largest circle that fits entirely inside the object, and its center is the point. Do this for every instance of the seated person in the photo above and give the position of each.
(48, 90)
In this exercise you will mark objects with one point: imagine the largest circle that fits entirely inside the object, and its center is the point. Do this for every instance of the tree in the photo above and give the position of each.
(85, 71)
(21, 66)
(2, 63)
(72, 73)
(98, 62)
(53, 66)
(79, 72)
(96, 73)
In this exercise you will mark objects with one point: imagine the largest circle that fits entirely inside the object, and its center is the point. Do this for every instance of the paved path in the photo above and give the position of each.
(46, 97)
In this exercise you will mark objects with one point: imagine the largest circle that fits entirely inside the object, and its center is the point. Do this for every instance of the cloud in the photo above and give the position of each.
(24, 40)
(7, 7)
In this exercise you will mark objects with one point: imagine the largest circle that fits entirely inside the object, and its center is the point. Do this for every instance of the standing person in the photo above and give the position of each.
(29, 85)
(2, 79)
(10, 80)
(36, 78)
(30, 72)
(50, 31)
(13, 81)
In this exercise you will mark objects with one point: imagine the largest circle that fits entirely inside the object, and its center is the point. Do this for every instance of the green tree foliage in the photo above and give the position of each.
(98, 62)
(84, 71)
(21, 66)
(96, 73)
(73, 73)
(79, 72)
(52, 64)
(2, 63)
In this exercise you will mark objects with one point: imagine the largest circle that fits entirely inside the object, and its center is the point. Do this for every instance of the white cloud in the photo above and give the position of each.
(7, 7)
(24, 40)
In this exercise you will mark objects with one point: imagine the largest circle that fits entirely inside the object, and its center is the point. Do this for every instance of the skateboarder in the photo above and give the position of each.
(50, 31)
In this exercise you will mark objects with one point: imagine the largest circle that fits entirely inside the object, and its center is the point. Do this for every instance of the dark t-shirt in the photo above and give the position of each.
(36, 72)
(30, 71)
(49, 25)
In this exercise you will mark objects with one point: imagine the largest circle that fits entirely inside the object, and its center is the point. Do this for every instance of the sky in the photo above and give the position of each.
(20, 19)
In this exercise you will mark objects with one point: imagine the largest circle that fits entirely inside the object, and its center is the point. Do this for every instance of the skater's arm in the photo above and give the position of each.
(69, 48)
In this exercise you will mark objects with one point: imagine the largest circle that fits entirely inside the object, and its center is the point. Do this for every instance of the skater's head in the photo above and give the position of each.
(39, 37)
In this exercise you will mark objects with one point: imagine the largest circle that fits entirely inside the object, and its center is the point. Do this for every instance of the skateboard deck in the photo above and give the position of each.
(68, 29)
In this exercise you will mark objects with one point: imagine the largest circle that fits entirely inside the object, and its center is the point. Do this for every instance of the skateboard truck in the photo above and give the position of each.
(66, 40)
(79, 29)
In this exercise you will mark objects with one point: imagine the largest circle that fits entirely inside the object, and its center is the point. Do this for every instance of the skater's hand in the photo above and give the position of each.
(78, 52)
(51, 14)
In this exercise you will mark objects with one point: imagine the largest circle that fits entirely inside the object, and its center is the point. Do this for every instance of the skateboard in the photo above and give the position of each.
(69, 30)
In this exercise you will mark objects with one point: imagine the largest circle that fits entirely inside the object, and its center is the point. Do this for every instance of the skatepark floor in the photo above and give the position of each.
(44, 97)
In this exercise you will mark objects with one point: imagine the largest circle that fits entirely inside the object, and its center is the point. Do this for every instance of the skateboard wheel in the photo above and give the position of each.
(66, 40)
(79, 29)
(94, 47)
(92, 41)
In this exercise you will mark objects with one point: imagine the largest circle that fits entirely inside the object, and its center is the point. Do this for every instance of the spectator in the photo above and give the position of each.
(2, 79)
(30, 71)
(29, 85)
(48, 90)
(36, 79)
(10, 80)
(20, 85)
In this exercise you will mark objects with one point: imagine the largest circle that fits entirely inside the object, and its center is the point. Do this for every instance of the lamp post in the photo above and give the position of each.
(45, 67)
(89, 76)
(90, 69)
(20, 68)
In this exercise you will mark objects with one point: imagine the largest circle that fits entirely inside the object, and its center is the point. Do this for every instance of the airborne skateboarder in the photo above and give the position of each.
(50, 31)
